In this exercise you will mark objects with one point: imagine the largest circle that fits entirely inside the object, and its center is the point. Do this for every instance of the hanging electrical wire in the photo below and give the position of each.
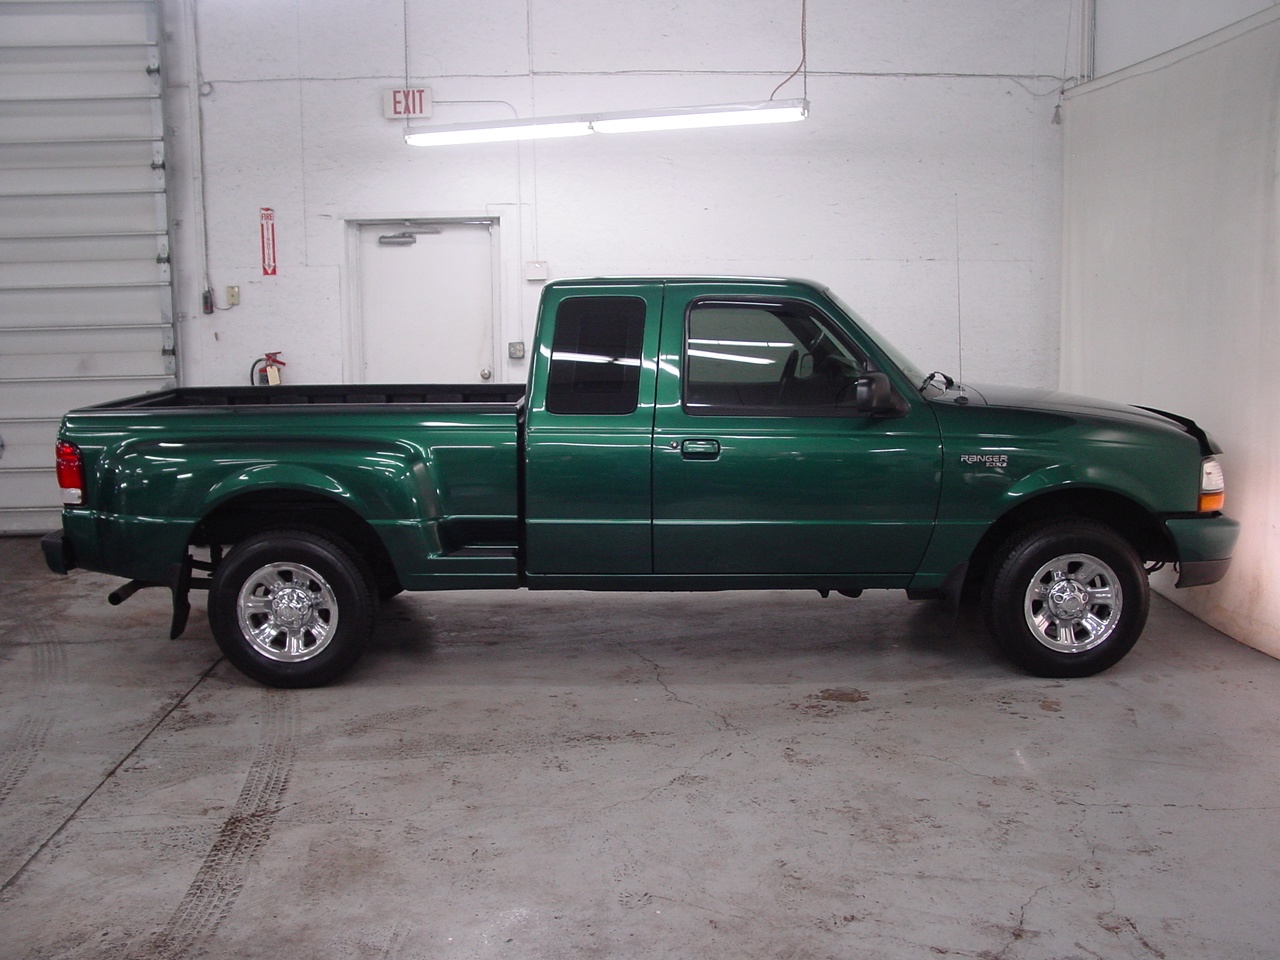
(803, 65)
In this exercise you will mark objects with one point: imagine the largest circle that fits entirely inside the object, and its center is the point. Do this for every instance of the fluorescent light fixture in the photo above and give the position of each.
(717, 115)
(671, 118)
(498, 131)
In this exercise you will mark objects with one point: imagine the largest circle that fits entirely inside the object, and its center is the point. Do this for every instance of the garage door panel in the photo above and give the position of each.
(54, 309)
(80, 181)
(69, 366)
(86, 309)
(60, 216)
(97, 23)
(144, 247)
(73, 70)
(147, 344)
(29, 488)
(34, 521)
(135, 153)
(37, 81)
(28, 444)
(23, 401)
(72, 120)
(90, 273)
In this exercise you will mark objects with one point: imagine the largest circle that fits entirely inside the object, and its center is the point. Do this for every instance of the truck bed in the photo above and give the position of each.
(376, 394)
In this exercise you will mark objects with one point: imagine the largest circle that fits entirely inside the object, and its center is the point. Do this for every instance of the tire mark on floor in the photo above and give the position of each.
(222, 875)
(48, 663)
(48, 666)
(21, 752)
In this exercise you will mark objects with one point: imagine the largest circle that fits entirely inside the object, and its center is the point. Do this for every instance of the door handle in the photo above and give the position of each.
(700, 449)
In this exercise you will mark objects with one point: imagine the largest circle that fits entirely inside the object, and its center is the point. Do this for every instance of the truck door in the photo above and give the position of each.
(761, 464)
(589, 433)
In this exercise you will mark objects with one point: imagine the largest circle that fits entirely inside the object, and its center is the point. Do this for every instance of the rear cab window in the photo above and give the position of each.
(596, 356)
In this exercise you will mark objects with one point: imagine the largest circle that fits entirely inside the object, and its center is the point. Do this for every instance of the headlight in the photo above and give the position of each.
(1213, 486)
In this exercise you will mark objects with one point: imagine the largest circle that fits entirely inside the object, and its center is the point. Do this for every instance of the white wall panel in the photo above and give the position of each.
(304, 307)
(254, 158)
(930, 138)
(1130, 31)
(245, 39)
(488, 39)
(1171, 292)
(349, 37)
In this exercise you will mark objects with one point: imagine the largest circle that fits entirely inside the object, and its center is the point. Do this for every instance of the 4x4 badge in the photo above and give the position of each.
(985, 459)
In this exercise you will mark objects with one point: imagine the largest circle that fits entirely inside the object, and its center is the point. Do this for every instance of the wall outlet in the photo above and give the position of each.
(233, 296)
(515, 350)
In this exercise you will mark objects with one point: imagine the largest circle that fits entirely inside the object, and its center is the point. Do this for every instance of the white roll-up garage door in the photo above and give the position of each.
(86, 312)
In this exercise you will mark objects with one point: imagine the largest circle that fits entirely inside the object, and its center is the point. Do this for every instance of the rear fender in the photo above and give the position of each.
(400, 485)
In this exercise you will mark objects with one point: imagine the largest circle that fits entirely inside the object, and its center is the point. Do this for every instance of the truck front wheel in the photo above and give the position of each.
(290, 608)
(1066, 599)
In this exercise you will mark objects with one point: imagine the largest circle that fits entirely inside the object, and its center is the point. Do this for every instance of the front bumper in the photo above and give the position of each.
(1204, 547)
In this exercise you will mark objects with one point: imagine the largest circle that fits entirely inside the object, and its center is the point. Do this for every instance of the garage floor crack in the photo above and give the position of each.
(17, 875)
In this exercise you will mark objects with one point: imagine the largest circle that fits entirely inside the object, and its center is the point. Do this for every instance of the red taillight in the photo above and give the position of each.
(70, 473)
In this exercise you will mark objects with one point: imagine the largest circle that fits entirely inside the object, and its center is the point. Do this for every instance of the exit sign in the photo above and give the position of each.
(411, 102)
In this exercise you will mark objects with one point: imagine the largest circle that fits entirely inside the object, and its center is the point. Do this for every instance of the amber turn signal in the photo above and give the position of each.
(1212, 502)
(1213, 486)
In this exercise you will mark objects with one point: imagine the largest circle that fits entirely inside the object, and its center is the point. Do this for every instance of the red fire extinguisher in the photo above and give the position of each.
(266, 370)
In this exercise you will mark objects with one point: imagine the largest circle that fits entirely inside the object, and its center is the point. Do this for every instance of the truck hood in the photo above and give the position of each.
(1054, 401)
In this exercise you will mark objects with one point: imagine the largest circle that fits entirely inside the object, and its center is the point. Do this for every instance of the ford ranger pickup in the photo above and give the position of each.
(674, 434)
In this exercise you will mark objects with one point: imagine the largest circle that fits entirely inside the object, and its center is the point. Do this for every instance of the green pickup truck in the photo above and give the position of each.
(675, 434)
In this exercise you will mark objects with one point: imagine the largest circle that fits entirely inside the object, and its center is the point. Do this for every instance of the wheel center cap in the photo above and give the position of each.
(291, 606)
(1068, 599)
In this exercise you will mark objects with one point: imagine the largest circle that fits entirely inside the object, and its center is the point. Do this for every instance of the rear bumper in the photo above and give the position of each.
(1204, 547)
(57, 552)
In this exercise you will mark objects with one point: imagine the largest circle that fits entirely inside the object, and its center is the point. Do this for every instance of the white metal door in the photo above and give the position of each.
(426, 302)
(85, 303)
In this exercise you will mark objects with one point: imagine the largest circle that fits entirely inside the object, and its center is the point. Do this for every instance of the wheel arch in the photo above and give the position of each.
(245, 514)
(1143, 530)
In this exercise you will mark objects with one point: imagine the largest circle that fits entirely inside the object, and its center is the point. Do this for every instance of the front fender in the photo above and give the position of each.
(1086, 476)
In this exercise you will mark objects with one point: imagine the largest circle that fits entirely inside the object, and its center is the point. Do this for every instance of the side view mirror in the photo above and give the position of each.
(874, 396)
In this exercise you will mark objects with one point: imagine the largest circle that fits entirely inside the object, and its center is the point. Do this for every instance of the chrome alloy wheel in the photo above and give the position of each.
(1073, 603)
(287, 612)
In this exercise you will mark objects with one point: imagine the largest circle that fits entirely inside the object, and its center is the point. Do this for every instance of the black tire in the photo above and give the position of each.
(1066, 599)
(291, 608)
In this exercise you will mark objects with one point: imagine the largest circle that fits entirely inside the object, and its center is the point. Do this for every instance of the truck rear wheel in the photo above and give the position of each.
(291, 609)
(1066, 599)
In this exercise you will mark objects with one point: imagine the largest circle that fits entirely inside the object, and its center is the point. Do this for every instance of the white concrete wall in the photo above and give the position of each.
(1130, 31)
(1171, 292)
(925, 188)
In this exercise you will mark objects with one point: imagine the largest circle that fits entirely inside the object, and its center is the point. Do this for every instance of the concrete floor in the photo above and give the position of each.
(518, 775)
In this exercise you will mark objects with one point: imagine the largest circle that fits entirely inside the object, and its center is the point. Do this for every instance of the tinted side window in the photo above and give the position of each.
(595, 355)
(767, 359)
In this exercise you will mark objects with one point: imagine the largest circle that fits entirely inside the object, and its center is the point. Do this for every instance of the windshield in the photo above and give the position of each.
(914, 373)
